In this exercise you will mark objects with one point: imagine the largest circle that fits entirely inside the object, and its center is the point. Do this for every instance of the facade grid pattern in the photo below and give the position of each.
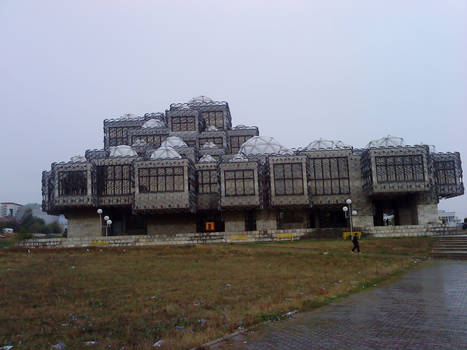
(72, 183)
(288, 179)
(207, 181)
(237, 141)
(183, 123)
(119, 135)
(163, 179)
(214, 118)
(151, 140)
(329, 176)
(446, 172)
(113, 180)
(239, 183)
(406, 168)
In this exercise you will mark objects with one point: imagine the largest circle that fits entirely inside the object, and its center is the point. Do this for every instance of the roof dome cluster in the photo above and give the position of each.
(122, 151)
(174, 141)
(165, 152)
(259, 145)
(326, 144)
(200, 99)
(388, 141)
(154, 123)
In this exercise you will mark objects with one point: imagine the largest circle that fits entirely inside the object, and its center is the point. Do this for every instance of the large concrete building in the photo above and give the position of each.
(189, 170)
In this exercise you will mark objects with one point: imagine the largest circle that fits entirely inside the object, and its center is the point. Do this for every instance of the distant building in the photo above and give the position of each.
(449, 218)
(36, 211)
(9, 209)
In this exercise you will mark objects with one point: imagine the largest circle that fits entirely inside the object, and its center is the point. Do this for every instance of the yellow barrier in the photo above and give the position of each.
(99, 243)
(238, 238)
(347, 234)
(285, 236)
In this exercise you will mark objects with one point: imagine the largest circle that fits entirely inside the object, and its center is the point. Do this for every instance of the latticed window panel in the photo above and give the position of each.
(237, 141)
(164, 179)
(329, 176)
(288, 179)
(183, 123)
(239, 182)
(214, 118)
(119, 135)
(114, 180)
(407, 168)
(215, 140)
(151, 140)
(207, 181)
(72, 183)
(445, 172)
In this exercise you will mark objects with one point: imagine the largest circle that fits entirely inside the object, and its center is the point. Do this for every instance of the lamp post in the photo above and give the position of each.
(349, 213)
(109, 222)
(99, 211)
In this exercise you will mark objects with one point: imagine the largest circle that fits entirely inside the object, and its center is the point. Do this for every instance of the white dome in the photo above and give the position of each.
(75, 159)
(212, 128)
(263, 145)
(154, 123)
(174, 141)
(122, 151)
(239, 158)
(388, 141)
(209, 145)
(326, 144)
(201, 99)
(165, 152)
(207, 159)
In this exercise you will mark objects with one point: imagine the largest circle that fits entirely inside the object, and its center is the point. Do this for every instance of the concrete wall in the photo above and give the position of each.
(84, 224)
(427, 213)
(266, 220)
(171, 223)
(234, 221)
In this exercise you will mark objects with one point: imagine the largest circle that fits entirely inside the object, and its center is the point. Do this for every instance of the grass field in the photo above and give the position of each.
(184, 295)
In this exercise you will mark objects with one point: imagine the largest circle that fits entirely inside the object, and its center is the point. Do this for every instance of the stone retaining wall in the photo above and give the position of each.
(230, 237)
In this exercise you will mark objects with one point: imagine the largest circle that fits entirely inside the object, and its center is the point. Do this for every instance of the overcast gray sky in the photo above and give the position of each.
(299, 70)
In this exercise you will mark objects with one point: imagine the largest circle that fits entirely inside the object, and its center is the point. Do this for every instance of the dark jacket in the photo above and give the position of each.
(355, 240)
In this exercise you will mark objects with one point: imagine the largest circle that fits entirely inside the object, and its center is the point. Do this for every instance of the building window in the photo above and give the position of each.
(183, 123)
(237, 141)
(72, 183)
(288, 179)
(215, 140)
(151, 140)
(239, 183)
(113, 180)
(445, 172)
(207, 181)
(214, 118)
(329, 176)
(399, 168)
(164, 179)
(119, 135)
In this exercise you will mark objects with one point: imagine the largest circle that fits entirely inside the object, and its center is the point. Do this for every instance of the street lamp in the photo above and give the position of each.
(109, 222)
(99, 211)
(348, 212)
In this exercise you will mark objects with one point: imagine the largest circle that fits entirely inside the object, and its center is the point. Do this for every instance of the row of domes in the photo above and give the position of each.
(256, 145)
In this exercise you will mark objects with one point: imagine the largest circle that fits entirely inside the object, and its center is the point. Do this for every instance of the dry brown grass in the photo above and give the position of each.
(185, 295)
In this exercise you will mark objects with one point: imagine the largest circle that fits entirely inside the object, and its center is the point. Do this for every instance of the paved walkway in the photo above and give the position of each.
(425, 309)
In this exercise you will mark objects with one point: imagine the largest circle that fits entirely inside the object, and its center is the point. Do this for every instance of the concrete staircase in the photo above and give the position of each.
(450, 247)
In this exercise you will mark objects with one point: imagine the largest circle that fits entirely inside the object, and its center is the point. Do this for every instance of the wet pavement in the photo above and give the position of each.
(424, 309)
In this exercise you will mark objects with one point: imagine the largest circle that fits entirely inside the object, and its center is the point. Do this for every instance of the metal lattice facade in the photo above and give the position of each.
(236, 178)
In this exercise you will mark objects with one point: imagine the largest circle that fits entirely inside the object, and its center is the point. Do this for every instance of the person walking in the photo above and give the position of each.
(356, 245)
